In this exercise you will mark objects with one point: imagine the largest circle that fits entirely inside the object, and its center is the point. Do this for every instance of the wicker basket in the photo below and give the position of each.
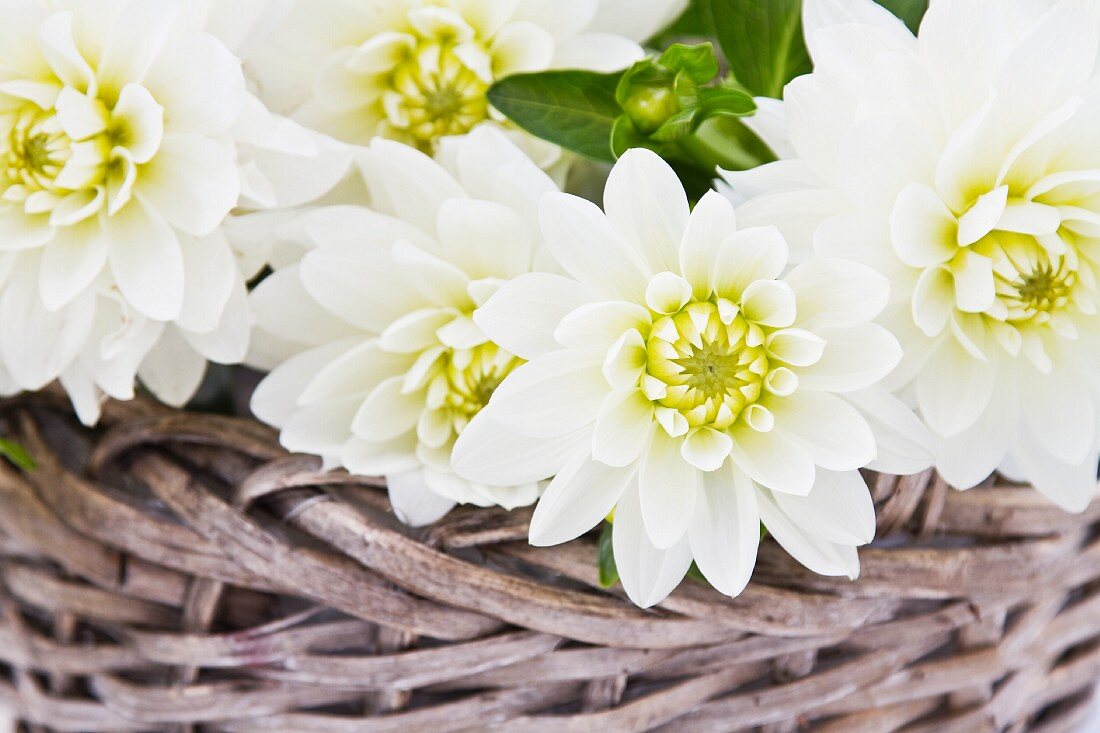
(179, 572)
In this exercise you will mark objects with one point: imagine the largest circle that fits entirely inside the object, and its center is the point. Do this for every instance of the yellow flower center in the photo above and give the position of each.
(465, 380)
(707, 367)
(34, 151)
(78, 157)
(1032, 283)
(434, 93)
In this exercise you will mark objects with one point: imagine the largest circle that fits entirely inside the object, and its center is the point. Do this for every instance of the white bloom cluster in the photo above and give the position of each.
(380, 364)
(914, 283)
(977, 194)
(127, 136)
(418, 70)
(680, 379)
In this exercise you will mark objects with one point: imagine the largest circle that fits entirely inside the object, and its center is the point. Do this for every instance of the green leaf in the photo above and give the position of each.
(726, 101)
(725, 142)
(17, 454)
(605, 557)
(676, 127)
(573, 109)
(910, 11)
(698, 62)
(762, 41)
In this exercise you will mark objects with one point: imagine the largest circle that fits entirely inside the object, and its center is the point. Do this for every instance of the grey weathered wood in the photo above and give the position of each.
(176, 572)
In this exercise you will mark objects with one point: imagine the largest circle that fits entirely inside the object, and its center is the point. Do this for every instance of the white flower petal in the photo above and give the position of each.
(192, 182)
(521, 47)
(725, 530)
(769, 303)
(582, 240)
(711, 222)
(386, 458)
(854, 358)
(87, 399)
(1053, 62)
(839, 509)
(209, 274)
(229, 341)
(582, 494)
(70, 263)
(706, 449)
(667, 487)
(954, 389)
(626, 361)
(485, 239)
(637, 20)
(552, 395)
(135, 39)
(79, 115)
(172, 370)
(667, 293)
(983, 216)
(833, 432)
(598, 325)
(490, 452)
(19, 231)
(934, 300)
(38, 345)
(387, 412)
(141, 122)
(284, 308)
(820, 14)
(819, 555)
(276, 397)
(437, 280)
(972, 35)
(405, 182)
(146, 261)
(59, 47)
(623, 428)
(522, 316)
(199, 83)
(648, 574)
(748, 256)
(334, 276)
(923, 229)
(414, 502)
(1072, 487)
(646, 204)
(1061, 412)
(769, 122)
(415, 331)
(970, 457)
(861, 237)
(601, 52)
(903, 442)
(975, 288)
(836, 293)
(320, 429)
(773, 460)
(354, 371)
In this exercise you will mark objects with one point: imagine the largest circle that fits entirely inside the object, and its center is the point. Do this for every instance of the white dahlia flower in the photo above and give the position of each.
(378, 366)
(417, 70)
(126, 138)
(681, 380)
(964, 165)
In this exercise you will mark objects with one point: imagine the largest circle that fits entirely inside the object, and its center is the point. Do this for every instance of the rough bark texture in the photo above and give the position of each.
(179, 572)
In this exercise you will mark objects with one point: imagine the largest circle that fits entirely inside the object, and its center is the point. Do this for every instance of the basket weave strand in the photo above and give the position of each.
(179, 572)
